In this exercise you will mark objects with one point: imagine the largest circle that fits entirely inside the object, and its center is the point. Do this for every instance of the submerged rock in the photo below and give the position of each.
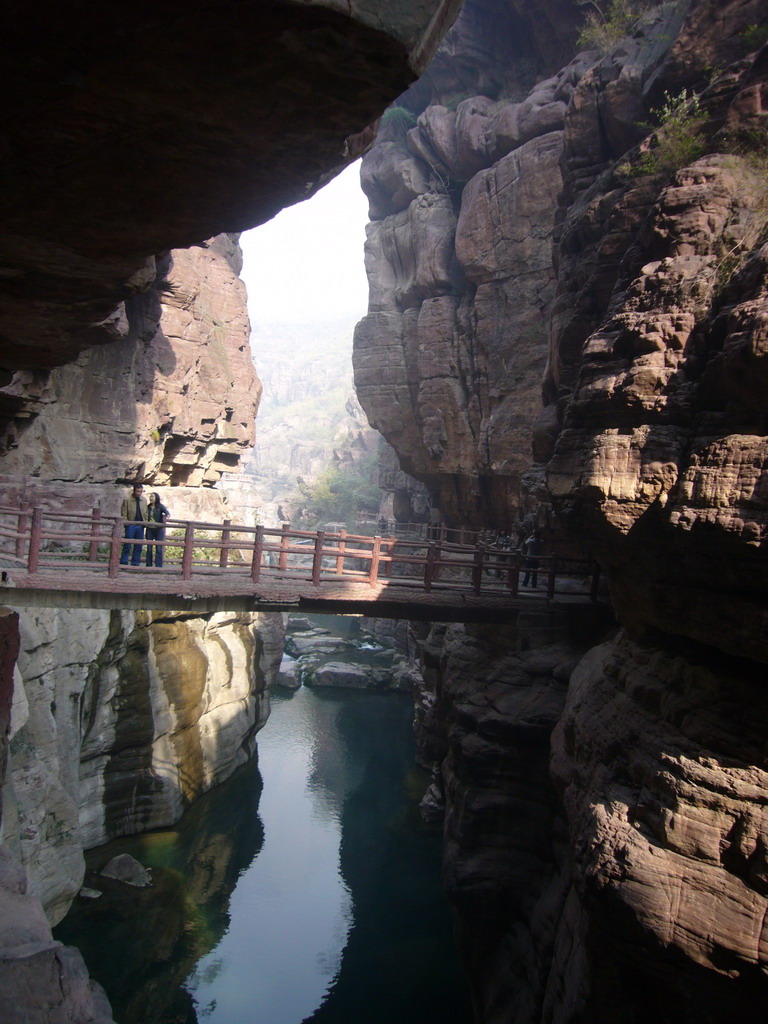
(125, 868)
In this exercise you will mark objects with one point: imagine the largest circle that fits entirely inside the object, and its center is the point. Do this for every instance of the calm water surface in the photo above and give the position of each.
(302, 890)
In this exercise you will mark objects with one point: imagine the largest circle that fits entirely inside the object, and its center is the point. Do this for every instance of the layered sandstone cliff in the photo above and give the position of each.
(449, 359)
(643, 896)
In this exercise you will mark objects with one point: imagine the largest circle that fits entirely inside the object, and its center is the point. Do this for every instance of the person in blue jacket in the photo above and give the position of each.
(157, 516)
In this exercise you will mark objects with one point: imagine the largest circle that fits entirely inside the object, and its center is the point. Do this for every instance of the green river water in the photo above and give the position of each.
(305, 889)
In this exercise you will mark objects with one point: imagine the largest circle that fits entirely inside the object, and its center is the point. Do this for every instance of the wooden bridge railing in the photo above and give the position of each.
(41, 540)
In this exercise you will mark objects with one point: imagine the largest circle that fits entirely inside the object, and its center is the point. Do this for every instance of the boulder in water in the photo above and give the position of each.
(125, 868)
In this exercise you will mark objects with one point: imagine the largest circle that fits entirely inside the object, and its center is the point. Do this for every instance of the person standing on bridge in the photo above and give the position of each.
(135, 511)
(532, 548)
(157, 516)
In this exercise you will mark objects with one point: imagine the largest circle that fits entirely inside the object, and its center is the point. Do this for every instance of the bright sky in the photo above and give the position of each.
(306, 264)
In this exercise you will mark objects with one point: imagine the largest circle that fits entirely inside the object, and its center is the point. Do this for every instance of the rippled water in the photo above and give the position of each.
(315, 898)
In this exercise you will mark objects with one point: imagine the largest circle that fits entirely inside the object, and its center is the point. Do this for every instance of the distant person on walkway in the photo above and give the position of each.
(134, 510)
(532, 548)
(435, 523)
(157, 516)
(382, 525)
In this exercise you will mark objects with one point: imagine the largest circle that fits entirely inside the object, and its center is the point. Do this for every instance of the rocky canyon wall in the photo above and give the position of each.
(606, 322)
(450, 358)
(120, 720)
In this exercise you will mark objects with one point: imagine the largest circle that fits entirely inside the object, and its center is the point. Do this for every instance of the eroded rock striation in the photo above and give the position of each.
(450, 358)
(646, 434)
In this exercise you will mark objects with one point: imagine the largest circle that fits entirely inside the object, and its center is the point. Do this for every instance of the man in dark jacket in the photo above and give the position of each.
(134, 511)
(532, 548)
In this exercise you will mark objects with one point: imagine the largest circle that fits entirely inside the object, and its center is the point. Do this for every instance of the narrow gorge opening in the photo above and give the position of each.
(307, 886)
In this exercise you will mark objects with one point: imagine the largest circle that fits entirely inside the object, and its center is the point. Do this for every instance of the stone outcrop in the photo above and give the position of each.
(173, 402)
(450, 358)
(361, 659)
(662, 447)
(661, 760)
(41, 980)
(488, 710)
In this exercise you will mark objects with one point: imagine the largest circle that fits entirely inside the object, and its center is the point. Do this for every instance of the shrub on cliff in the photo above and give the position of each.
(396, 122)
(678, 138)
(608, 22)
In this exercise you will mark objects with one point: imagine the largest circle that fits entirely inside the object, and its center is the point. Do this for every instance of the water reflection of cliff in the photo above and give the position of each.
(399, 956)
(141, 945)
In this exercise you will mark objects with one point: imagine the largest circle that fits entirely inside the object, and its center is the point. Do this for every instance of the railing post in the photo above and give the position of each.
(513, 574)
(22, 525)
(225, 535)
(373, 575)
(35, 534)
(258, 548)
(283, 560)
(93, 547)
(595, 587)
(340, 556)
(317, 558)
(551, 578)
(114, 548)
(429, 568)
(436, 567)
(186, 558)
(387, 549)
(477, 570)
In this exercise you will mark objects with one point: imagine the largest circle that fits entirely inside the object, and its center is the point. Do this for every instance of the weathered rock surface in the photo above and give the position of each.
(645, 900)
(172, 402)
(125, 868)
(487, 723)
(662, 763)
(41, 981)
(449, 360)
(120, 721)
(341, 674)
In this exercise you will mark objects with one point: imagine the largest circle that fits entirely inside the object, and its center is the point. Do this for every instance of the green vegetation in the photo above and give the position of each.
(396, 122)
(342, 492)
(609, 22)
(755, 36)
(452, 101)
(678, 138)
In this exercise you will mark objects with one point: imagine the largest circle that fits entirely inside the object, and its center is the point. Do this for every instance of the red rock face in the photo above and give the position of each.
(662, 448)
(653, 436)
(173, 402)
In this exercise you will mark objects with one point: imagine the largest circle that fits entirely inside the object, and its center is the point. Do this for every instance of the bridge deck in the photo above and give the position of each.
(64, 559)
(164, 589)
